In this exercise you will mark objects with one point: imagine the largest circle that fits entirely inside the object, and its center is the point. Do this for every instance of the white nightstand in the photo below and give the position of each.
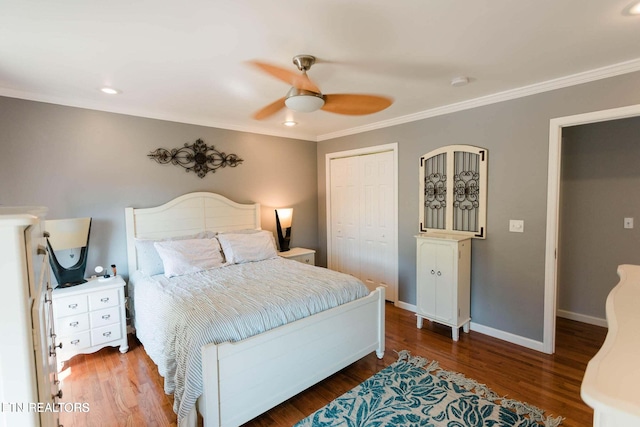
(90, 316)
(307, 256)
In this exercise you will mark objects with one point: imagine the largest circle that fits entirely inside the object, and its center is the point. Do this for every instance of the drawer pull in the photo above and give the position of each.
(105, 299)
(433, 272)
(107, 334)
(73, 324)
(75, 342)
(73, 306)
(439, 274)
(106, 316)
(41, 250)
(58, 395)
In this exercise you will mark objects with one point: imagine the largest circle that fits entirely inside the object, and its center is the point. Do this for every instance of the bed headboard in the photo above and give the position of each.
(187, 214)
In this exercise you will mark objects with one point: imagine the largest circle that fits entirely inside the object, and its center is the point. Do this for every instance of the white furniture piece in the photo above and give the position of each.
(246, 378)
(28, 373)
(90, 316)
(444, 280)
(610, 383)
(306, 256)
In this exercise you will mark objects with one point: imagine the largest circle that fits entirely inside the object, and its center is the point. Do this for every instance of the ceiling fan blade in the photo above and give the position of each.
(355, 105)
(270, 109)
(295, 79)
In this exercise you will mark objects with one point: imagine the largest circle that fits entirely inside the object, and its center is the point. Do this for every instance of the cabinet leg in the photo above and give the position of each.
(419, 323)
(455, 333)
(466, 327)
(124, 349)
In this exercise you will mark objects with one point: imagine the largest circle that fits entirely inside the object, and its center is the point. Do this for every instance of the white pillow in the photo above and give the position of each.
(189, 256)
(149, 261)
(247, 247)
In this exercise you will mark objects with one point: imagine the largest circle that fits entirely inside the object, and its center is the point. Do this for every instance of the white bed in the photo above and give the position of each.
(248, 377)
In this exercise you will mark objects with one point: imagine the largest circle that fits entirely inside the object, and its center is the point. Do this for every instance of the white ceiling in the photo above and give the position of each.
(186, 60)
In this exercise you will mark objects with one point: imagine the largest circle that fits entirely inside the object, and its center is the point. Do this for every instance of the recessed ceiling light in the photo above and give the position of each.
(459, 81)
(110, 90)
(290, 123)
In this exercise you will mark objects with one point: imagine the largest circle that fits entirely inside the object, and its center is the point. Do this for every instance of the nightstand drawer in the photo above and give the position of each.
(103, 299)
(70, 305)
(71, 325)
(306, 259)
(105, 334)
(105, 317)
(71, 344)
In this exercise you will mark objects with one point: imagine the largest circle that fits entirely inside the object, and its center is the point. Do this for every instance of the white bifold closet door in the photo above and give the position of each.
(363, 228)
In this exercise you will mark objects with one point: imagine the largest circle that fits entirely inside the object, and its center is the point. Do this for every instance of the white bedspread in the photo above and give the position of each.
(175, 317)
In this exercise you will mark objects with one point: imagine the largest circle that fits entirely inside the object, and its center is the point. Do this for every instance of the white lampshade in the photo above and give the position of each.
(285, 216)
(68, 233)
(303, 100)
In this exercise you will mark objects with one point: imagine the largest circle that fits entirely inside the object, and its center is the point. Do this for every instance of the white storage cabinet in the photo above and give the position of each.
(444, 280)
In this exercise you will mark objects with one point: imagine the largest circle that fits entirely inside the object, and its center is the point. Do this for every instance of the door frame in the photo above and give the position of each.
(393, 147)
(553, 204)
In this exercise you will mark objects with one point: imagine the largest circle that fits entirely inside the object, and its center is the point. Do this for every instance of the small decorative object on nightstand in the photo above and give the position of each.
(90, 316)
(306, 256)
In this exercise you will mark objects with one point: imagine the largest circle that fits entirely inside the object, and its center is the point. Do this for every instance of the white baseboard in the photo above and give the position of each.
(591, 320)
(508, 337)
(492, 332)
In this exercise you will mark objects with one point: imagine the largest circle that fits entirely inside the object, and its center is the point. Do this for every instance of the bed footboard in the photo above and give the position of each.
(245, 379)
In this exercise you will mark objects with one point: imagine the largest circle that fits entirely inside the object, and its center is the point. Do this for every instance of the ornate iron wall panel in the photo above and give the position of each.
(467, 192)
(453, 190)
(435, 191)
(196, 157)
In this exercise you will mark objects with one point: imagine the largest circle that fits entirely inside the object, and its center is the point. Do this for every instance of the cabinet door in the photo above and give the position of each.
(436, 281)
(427, 266)
(445, 283)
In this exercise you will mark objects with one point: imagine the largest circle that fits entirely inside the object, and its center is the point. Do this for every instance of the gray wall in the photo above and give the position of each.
(600, 187)
(507, 268)
(87, 163)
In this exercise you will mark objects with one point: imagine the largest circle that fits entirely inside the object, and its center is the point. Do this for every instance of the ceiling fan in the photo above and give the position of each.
(305, 96)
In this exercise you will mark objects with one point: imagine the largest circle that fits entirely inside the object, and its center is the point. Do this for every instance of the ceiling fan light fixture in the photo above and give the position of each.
(303, 100)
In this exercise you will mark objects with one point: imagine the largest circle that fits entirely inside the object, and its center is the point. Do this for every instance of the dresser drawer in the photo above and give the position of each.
(68, 306)
(71, 325)
(103, 299)
(105, 334)
(71, 344)
(104, 317)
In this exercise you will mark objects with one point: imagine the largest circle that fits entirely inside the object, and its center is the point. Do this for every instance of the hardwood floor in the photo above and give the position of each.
(126, 390)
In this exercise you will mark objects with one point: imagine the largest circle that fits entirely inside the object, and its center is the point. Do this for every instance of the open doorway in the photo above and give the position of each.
(599, 184)
(553, 204)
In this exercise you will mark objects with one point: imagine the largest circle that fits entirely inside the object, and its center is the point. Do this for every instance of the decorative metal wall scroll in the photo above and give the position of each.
(196, 157)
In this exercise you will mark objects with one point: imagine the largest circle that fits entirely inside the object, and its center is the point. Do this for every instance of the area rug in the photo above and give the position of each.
(417, 393)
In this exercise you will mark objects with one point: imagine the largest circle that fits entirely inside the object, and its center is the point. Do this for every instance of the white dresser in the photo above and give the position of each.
(443, 280)
(90, 316)
(610, 383)
(28, 379)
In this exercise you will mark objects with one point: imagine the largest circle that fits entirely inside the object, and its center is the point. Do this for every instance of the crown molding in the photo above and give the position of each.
(549, 85)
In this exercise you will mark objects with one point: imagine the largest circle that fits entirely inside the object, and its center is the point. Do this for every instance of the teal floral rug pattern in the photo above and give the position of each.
(414, 392)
